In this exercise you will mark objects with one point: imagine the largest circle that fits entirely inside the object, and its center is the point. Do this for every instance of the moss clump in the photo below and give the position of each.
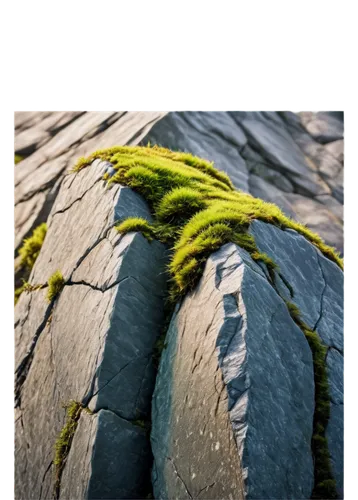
(196, 208)
(28, 254)
(18, 158)
(31, 246)
(63, 442)
(137, 224)
(55, 284)
(325, 485)
(180, 204)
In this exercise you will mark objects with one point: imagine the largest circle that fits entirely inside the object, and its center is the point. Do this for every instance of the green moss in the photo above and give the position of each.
(55, 284)
(137, 224)
(195, 207)
(325, 486)
(31, 246)
(63, 442)
(180, 204)
(18, 158)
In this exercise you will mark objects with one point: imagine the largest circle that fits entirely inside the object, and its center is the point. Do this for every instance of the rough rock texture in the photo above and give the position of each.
(93, 344)
(293, 160)
(234, 399)
(235, 355)
(318, 292)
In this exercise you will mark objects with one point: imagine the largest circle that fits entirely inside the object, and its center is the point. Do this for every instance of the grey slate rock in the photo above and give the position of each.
(318, 292)
(298, 263)
(323, 126)
(104, 473)
(334, 434)
(94, 344)
(236, 314)
(224, 339)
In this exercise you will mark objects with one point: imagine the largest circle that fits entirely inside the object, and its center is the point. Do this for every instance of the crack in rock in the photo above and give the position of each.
(322, 294)
(179, 476)
(117, 414)
(62, 210)
(94, 287)
(92, 247)
(89, 398)
(24, 366)
(43, 478)
(206, 488)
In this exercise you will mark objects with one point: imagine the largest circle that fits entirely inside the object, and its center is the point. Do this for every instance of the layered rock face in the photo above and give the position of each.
(232, 411)
(292, 160)
(234, 400)
(92, 344)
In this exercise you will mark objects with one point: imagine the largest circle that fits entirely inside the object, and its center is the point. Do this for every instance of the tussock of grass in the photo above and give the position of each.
(196, 208)
(55, 284)
(63, 442)
(31, 246)
(325, 485)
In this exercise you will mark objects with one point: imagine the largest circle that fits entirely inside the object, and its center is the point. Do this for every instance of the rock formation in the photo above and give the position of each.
(248, 398)
(278, 157)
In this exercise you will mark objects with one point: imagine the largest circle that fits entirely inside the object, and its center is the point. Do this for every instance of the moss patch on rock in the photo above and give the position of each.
(325, 485)
(63, 443)
(31, 246)
(195, 207)
(18, 158)
(55, 284)
(28, 253)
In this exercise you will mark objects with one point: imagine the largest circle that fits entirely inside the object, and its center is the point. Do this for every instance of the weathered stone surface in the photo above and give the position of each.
(94, 344)
(335, 374)
(264, 190)
(323, 126)
(95, 469)
(27, 119)
(319, 218)
(334, 434)
(28, 140)
(330, 322)
(298, 264)
(234, 354)
(318, 292)
(35, 133)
